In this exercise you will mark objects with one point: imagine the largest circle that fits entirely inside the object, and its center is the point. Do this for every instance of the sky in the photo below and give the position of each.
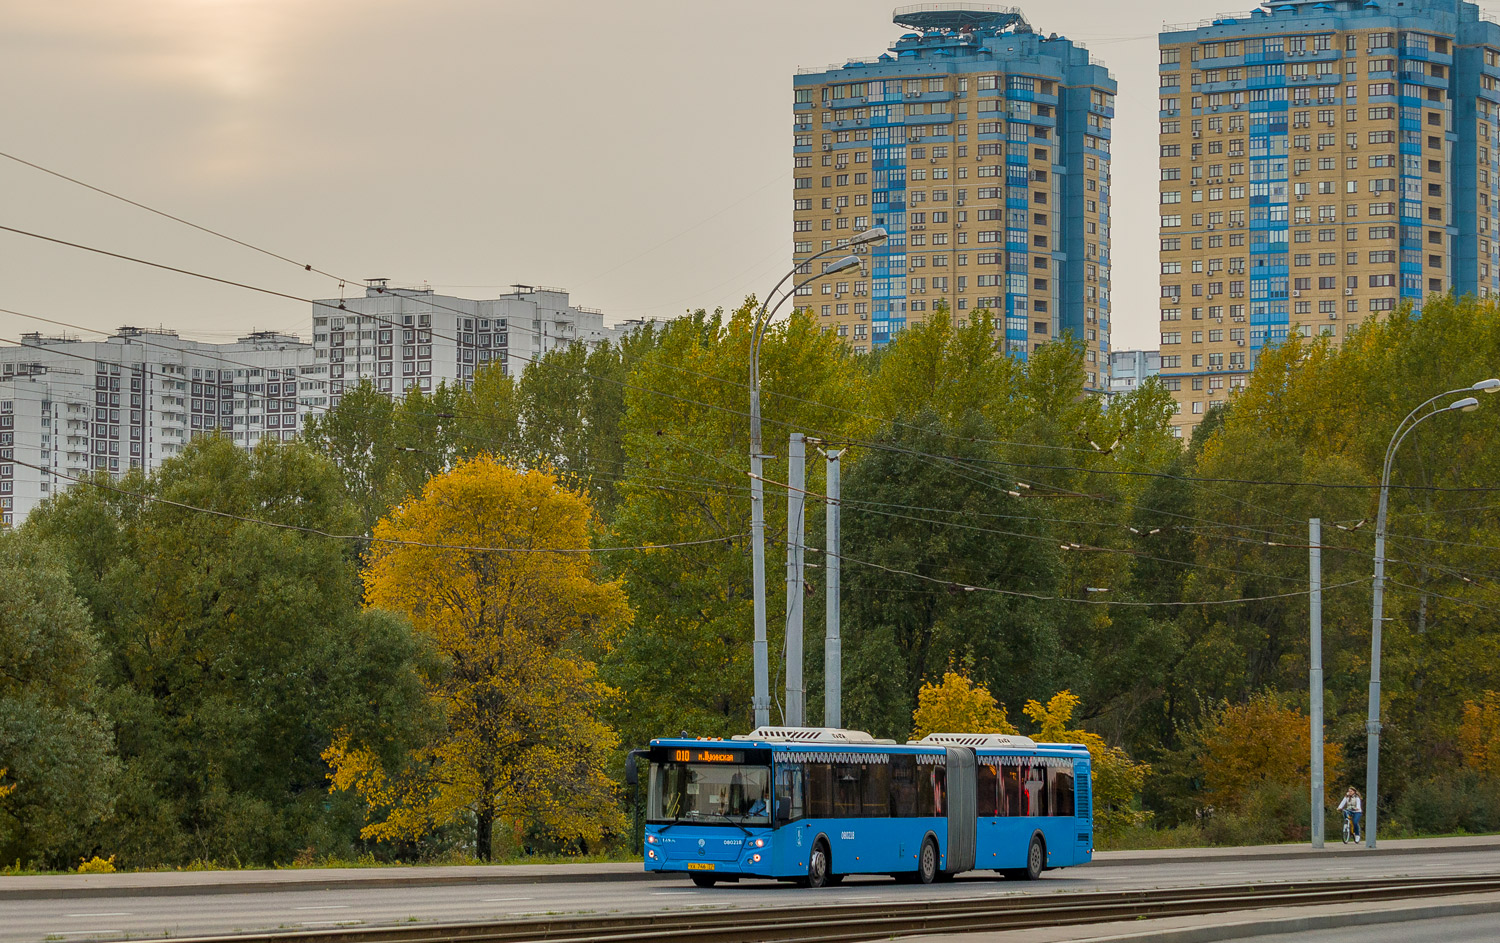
(634, 152)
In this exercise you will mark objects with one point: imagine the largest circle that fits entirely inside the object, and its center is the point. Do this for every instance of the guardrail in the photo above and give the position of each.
(833, 921)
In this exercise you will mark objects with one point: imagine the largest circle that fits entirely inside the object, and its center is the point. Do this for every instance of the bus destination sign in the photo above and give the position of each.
(701, 755)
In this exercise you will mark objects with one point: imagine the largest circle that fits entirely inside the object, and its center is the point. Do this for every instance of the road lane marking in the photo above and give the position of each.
(496, 900)
(119, 913)
(326, 907)
(80, 932)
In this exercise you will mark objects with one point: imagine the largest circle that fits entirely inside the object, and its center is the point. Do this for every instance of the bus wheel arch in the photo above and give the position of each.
(819, 863)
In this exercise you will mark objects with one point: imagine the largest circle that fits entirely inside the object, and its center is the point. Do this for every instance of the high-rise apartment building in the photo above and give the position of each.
(1321, 163)
(398, 338)
(983, 149)
(69, 408)
(1128, 369)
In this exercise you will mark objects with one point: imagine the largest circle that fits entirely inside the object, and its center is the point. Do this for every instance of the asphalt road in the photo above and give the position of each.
(136, 917)
(1479, 929)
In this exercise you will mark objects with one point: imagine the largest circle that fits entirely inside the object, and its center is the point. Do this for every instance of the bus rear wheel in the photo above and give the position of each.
(705, 880)
(1036, 861)
(927, 863)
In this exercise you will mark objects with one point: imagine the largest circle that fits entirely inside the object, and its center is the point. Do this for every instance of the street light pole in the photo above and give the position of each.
(761, 654)
(1377, 619)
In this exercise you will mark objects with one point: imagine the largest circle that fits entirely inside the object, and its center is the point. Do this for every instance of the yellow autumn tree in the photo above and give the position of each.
(958, 705)
(491, 563)
(1479, 734)
(1259, 741)
(1117, 779)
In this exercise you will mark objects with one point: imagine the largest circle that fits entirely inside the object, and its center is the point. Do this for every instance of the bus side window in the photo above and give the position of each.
(932, 791)
(903, 785)
(1060, 782)
(1010, 789)
(820, 790)
(789, 796)
(847, 778)
(987, 805)
(1036, 790)
(875, 791)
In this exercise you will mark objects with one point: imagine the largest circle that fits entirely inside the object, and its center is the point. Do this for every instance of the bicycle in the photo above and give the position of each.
(1350, 832)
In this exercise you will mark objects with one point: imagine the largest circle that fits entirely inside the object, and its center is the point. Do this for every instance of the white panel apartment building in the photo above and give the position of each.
(402, 337)
(70, 407)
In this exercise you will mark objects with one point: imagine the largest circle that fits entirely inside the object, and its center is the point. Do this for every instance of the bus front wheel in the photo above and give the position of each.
(819, 866)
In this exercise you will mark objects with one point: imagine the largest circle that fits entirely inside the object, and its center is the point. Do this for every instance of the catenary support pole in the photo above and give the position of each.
(833, 654)
(1315, 671)
(796, 504)
(762, 702)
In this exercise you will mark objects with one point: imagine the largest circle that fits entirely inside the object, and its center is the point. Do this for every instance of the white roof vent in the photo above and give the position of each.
(808, 735)
(979, 740)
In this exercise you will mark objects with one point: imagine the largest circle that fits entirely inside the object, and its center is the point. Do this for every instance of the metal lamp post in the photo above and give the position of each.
(762, 701)
(1372, 722)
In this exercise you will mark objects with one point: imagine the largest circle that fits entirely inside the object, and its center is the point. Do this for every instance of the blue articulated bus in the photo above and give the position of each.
(812, 805)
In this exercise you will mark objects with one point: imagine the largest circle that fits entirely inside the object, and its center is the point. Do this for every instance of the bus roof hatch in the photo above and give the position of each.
(979, 740)
(808, 735)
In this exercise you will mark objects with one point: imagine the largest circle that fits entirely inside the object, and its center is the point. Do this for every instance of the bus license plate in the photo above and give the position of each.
(700, 865)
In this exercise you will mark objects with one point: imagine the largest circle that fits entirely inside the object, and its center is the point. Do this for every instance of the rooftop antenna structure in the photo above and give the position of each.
(961, 17)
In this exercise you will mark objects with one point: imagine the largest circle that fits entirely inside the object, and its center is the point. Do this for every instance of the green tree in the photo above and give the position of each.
(685, 662)
(908, 614)
(235, 650)
(55, 744)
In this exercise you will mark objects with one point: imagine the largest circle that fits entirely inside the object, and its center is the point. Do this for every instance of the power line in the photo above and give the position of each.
(949, 459)
(305, 266)
(313, 531)
(960, 586)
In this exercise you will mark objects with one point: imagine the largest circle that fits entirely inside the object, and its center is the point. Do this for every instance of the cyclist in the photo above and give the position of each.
(1353, 808)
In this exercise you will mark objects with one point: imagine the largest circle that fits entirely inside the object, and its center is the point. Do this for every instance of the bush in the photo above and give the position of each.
(1268, 814)
(1461, 801)
(98, 865)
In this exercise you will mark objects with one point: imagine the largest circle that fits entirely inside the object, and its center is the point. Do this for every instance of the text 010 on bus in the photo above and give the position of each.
(814, 804)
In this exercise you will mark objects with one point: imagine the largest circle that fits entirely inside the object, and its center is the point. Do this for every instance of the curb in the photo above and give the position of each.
(62, 887)
(1290, 852)
(322, 884)
(1302, 924)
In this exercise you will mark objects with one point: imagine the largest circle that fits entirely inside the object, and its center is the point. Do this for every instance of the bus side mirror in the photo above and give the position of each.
(632, 770)
(783, 812)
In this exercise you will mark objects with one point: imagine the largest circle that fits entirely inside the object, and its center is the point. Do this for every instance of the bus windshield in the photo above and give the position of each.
(705, 793)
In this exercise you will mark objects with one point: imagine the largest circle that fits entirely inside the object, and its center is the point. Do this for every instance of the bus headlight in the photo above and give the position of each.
(755, 858)
(651, 853)
(650, 839)
(760, 843)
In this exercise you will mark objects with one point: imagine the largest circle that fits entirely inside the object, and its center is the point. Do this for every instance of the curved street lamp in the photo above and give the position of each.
(1372, 723)
(870, 237)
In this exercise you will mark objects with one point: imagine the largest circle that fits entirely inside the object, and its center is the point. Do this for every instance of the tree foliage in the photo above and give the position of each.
(1479, 735)
(519, 628)
(57, 762)
(1243, 746)
(1117, 779)
(232, 650)
(958, 705)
